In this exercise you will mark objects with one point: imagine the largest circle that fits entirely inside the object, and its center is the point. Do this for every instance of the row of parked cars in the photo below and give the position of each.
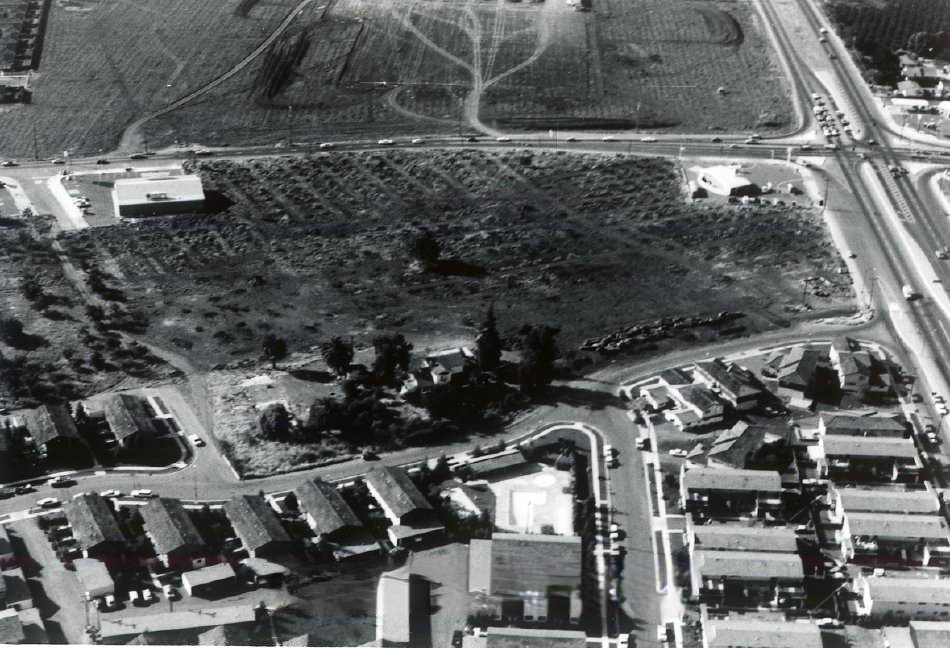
(144, 597)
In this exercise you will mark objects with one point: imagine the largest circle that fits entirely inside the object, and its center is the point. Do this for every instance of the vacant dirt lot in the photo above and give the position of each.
(316, 247)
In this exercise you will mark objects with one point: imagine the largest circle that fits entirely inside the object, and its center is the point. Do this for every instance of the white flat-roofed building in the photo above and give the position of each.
(157, 195)
(922, 598)
(725, 181)
(759, 633)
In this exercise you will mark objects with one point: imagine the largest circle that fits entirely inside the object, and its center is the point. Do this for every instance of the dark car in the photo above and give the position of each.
(6, 493)
(369, 455)
(102, 161)
(473, 139)
(716, 140)
(24, 489)
(457, 639)
(138, 156)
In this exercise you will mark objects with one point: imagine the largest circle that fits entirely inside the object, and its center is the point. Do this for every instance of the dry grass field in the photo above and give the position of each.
(106, 62)
(495, 63)
(316, 247)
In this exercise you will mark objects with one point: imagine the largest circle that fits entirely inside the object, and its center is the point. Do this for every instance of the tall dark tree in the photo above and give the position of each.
(489, 343)
(275, 421)
(539, 352)
(426, 249)
(325, 414)
(338, 354)
(392, 352)
(275, 349)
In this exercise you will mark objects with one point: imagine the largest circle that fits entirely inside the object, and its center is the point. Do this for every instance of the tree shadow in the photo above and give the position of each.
(311, 375)
(578, 397)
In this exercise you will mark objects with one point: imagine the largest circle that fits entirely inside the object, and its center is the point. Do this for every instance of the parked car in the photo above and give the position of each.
(112, 492)
(197, 441)
(47, 502)
(6, 493)
(147, 596)
(643, 443)
(170, 592)
(110, 602)
(23, 489)
(102, 161)
(133, 597)
(369, 455)
(143, 493)
(678, 452)
(61, 481)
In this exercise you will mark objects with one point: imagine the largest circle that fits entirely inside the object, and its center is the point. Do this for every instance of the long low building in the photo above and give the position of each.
(923, 598)
(158, 195)
(747, 578)
(759, 633)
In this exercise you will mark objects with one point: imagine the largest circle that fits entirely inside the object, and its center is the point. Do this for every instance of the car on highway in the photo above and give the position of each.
(327, 145)
(9, 163)
(417, 140)
(716, 140)
(112, 492)
(102, 161)
(58, 161)
(648, 139)
(503, 138)
(138, 156)
(204, 152)
(142, 493)
(571, 139)
(472, 138)
(47, 502)
(608, 138)
(822, 40)
(751, 140)
(196, 440)
(386, 142)
(805, 147)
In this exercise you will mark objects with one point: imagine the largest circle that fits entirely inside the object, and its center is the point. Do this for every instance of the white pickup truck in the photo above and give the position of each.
(909, 293)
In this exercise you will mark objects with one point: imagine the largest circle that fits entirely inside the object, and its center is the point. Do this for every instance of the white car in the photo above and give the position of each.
(112, 492)
(386, 142)
(417, 140)
(110, 601)
(133, 596)
(142, 493)
(203, 152)
(678, 452)
(147, 596)
(805, 147)
(503, 138)
(942, 409)
(47, 502)
(327, 145)
(170, 592)
(623, 640)
(197, 441)
(647, 139)
(607, 138)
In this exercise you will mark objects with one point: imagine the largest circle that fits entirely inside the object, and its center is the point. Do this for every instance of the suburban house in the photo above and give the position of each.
(256, 524)
(129, 420)
(412, 517)
(526, 577)
(734, 384)
(894, 599)
(759, 633)
(94, 526)
(439, 368)
(930, 634)
(332, 520)
(723, 493)
(738, 446)
(94, 578)
(693, 406)
(875, 459)
(893, 538)
(862, 426)
(54, 432)
(173, 535)
(798, 368)
(918, 501)
(739, 537)
(853, 364)
(747, 578)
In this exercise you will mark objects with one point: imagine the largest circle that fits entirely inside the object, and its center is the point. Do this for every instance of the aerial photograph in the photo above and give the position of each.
(475, 323)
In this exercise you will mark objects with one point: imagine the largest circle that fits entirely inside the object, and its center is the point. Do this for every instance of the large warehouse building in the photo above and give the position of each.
(726, 181)
(158, 195)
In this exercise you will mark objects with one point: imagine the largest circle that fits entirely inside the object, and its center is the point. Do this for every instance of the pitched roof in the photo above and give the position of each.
(207, 575)
(128, 415)
(169, 526)
(676, 376)
(455, 360)
(855, 425)
(300, 641)
(798, 366)
(736, 537)
(527, 562)
(228, 635)
(397, 490)
(732, 479)
(92, 520)
(500, 637)
(898, 525)
(49, 422)
(728, 633)
(909, 589)
(735, 445)
(11, 628)
(326, 506)
(730, 377)
(849, 446)
(254, 521)
(930, 634)
(748, 564)
(495, 463)
(884, 500)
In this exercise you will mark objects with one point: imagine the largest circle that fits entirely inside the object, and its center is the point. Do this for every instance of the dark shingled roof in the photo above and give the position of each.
(397, 490)
(534, 563)
(730, 377)
(92, 520)
(224, 636)
(169, 526)
(11, 628)
(254, 521)
(51, 422)
(128, 415)
(326, 506)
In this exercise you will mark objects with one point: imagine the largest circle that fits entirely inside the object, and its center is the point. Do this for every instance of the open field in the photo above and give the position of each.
(106, 62)
(316, 247)
(652, 63)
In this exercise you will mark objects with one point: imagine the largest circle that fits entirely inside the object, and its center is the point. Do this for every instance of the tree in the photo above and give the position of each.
(392, 352)
(275, 421)
(489, 343)
(275, 348)
(325, 414)
(290, 502)
(539, 351)
(426, 249)
(11, 330)
(338, 354)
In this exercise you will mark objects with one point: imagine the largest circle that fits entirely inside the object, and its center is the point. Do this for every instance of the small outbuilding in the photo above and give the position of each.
(210, 581)
(725, 180)
(94, 578)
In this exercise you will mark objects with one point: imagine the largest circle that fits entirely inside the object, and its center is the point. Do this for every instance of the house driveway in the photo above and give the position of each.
(56, 591)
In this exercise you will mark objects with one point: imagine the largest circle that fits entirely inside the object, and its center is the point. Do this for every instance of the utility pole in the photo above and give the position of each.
(36, 153)
(290, 126)
(824, 201)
